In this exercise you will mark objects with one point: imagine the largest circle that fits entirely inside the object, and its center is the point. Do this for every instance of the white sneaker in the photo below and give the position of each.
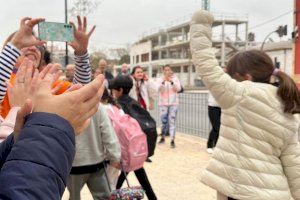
(210, 150)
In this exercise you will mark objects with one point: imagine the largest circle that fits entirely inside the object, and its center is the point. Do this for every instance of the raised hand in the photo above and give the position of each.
(32, 91)
(24, 37)
(81, 37)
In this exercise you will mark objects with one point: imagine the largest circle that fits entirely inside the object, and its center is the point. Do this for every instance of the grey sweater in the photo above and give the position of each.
(98, 142)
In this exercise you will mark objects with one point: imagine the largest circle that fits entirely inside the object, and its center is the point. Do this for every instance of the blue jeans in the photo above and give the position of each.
(168, 118)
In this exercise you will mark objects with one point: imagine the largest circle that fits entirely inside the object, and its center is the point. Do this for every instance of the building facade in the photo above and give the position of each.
(170, 45)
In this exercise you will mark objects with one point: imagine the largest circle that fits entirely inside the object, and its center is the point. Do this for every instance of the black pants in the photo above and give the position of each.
(143, 179)
(214, 114)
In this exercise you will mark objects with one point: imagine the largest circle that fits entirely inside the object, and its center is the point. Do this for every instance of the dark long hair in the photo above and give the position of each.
(107, 98)
(134, 69)
(260, 66)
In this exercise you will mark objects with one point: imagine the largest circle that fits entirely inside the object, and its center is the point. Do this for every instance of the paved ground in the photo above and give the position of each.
(175, 173)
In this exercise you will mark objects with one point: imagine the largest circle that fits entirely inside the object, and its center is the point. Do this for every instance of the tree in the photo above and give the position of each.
(124, 59)
(121, 54)
(84, 7)
(96, 57)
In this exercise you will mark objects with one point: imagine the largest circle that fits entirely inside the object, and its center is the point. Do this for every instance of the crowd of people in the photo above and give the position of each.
(61, 131)
(37, 98)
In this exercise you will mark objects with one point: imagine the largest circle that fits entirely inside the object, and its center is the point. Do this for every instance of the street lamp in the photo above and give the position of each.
(281, 31)
(66, 21)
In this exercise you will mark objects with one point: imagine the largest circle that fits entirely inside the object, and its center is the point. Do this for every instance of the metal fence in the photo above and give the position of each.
(192, 115)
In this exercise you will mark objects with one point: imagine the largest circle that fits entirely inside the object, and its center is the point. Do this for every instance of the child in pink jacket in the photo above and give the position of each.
(168, 89)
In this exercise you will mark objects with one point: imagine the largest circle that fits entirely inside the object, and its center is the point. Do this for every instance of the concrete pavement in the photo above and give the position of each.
(175, 173)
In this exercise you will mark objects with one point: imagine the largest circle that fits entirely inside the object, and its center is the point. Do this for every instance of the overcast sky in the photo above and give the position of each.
(123, 21)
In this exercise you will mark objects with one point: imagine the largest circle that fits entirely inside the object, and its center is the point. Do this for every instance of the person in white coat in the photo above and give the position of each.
(143, 90)
(258, 154)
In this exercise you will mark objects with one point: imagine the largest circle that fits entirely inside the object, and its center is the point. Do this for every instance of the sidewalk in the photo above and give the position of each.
(175, 173)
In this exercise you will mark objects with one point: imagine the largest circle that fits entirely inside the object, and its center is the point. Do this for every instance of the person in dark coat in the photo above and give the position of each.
(38, 164)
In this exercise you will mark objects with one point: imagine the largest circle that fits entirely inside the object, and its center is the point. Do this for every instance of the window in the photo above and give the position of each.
(176, 69)
(154, 73)
(154, 55)
(137, 59)
(145, 57)
(185, 69)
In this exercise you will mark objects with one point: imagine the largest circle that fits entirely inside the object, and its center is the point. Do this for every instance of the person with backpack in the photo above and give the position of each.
(94, 147)
(169, 86)
(121, 86)
(133, 141)
(258, 153)
(143, 90)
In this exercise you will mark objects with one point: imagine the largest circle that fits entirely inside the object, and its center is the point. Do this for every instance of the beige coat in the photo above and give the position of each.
(258, 155)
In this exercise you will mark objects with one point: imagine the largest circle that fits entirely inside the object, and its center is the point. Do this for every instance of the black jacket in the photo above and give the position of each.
(108, 75)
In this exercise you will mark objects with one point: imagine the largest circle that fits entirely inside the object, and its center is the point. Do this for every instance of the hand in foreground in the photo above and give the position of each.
(24, 88)
(116, 165)
(74, 106)
(20, 119)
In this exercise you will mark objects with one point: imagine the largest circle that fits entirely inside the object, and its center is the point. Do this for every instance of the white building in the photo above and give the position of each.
(159, 47)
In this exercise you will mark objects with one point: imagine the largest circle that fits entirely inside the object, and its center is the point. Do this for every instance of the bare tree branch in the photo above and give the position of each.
(84, 7)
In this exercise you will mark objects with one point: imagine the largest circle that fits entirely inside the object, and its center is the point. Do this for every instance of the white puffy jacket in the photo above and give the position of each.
(258, 155)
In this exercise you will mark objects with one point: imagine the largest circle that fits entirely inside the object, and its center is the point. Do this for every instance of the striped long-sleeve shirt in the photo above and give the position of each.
(10, 54)
(8, 58)
(83, 71)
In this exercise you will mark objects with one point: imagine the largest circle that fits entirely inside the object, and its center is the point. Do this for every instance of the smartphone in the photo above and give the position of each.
(54, 31)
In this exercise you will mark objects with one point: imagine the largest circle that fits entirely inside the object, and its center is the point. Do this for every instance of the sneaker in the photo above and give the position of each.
(172, 144)
(162, 140)
(210, 150)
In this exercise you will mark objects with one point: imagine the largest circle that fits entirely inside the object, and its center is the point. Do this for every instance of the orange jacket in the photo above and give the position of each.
(5, 106)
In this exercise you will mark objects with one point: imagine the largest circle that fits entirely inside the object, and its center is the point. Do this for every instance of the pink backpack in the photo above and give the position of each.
(133, 141)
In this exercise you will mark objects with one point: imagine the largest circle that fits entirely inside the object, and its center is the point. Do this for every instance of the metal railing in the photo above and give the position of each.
(192, 117)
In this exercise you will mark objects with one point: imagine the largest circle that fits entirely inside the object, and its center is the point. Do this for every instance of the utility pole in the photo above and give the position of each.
(206, 5)
(66, 21)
